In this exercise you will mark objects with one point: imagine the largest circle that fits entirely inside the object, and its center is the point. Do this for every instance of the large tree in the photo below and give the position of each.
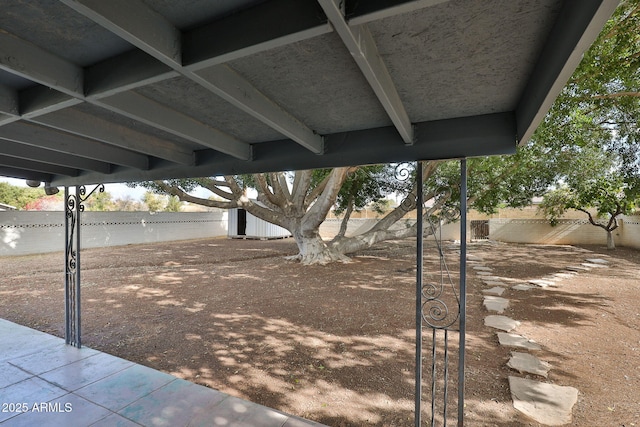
(592, 129)
(299, 201)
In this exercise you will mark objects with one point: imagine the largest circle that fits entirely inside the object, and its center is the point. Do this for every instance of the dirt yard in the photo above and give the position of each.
(335, 343)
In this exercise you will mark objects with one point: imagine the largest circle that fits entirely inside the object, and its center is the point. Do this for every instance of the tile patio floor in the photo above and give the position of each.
(60, 385)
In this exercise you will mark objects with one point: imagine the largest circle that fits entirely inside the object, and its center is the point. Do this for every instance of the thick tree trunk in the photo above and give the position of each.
(313, 250)
(610, 243)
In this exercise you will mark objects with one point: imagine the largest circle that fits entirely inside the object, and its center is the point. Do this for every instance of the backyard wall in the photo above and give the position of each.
(28, 232)
(567, 232)
(629, 232)
(510, 230)
(331, 227)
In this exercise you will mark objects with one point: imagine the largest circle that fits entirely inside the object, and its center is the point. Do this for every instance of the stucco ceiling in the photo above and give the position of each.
(123, 90)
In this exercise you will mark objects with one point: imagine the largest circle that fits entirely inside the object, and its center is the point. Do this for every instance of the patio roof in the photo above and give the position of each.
(124, 90)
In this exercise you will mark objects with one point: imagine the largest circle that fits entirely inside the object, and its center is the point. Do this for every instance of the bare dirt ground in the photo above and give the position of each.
(336, 343)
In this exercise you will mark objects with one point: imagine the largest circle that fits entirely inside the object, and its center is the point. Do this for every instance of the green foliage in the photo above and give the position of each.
(556, 203)
(18, 197)
(154, 202)
(127, 203)
(592, 129)
(100, 202)
(368, 185)
(173, 204)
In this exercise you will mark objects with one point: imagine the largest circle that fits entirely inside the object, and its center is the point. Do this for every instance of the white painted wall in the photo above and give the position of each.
(629, 232)
(567, 232)
(25, 232)
(331, 227)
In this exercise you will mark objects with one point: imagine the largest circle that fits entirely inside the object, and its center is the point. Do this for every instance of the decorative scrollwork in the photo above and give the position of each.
(409, 203)
(74, 206)
(450, 214)
(441, 303)
(83, 196)
(72, 216)
(403, 171)
(70, 204)
(431, 291)
(435, 313)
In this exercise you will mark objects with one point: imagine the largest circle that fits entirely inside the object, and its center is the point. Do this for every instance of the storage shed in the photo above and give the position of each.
(243, 225)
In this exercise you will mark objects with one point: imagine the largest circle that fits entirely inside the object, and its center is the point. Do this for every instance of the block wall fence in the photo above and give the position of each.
(29, 232)
(566, 232)
(513, 230)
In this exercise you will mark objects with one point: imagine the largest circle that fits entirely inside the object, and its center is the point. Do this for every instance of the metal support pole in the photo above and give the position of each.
(419, 271)
(73, 206)
(78, 335)
(72, 311)
(67, 278)
(463, 288)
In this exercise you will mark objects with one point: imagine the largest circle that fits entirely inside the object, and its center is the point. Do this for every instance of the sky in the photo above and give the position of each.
(117, 191)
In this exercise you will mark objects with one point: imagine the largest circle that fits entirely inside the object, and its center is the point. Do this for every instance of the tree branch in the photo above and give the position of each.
(317, 190)
(613, 95)
(214, 187)
(319, 210)
(301, 182)
(347, 216)
(428, 168)
(284, 186)
(591, 219)
(263, 189)
(186, 197)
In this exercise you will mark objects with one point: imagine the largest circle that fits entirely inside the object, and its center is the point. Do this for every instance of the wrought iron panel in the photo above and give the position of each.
(74, 206)
(440, 303)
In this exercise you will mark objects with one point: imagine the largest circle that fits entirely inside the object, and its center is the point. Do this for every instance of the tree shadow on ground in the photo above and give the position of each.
(331, 343)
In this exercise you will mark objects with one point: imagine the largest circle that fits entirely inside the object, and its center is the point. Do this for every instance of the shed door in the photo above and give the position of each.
(242, 222)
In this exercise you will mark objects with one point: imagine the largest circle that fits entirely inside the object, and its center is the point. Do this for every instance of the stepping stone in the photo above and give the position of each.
(503, 323)
(572, 273)
(494, 278)
(597, 261)
(493, 282)
(498, 290)
(541, 283)
(522, 287)
(577, 268)
(564, 275)
(592, 265)
(481, 268)
(553, 281)
(525, 362)
(497, 304)
(484, 273)
(548, 404)
(515, 340)
(472, 257)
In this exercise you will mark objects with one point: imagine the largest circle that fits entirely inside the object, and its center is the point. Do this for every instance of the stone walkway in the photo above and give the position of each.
(546, 403)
